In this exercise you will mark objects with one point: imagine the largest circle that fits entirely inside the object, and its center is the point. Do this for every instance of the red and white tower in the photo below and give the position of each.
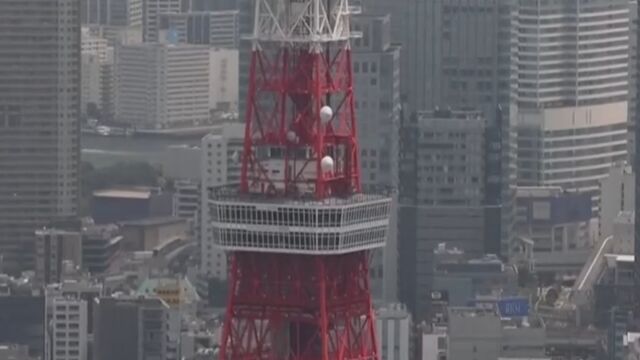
(297, 229)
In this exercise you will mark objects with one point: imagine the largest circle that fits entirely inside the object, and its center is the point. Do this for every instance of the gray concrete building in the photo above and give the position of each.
(214, 28)
(55, 250)
(462, 279)
(376, 73)
(111, 12)
(245, 26)
(460, 54)
(454, 53)
(134, 329)
(557, 223)
(481, 334)
(442, 190)
(39, 127)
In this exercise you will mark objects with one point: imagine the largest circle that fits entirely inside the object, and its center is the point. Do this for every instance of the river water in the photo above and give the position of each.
(107, 150)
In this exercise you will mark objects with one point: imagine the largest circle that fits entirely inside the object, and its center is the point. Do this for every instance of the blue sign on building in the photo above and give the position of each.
(513, 307)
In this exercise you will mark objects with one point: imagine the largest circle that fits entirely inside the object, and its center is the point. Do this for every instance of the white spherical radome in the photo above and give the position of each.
(326, 113)
(326, 164)
(291, 136)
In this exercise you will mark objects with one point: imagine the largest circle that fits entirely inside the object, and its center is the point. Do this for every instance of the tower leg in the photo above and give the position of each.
(299, 307)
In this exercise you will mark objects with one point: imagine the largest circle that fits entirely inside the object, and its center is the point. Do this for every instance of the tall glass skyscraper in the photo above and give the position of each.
(39, 125)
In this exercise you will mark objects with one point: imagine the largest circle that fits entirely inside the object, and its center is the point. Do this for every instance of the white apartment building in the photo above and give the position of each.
(393, 327)
(223, 79)
(67, 313)
(68, 329)
(573, 70)
(162, 85)
(221, 154)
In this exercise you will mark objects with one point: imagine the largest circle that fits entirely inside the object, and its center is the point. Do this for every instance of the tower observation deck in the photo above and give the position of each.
(297, 229)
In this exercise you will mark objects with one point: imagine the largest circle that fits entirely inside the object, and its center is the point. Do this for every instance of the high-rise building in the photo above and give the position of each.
(461, 54)
(151, 11)
(442, 195)
(111, 12)
(454, 53)
(633, 79)
(245, 26)
(376, 73)
(39, 127)
(97, 75)
(220, 166)
(162, 85)
(214, 28)
(573, 70)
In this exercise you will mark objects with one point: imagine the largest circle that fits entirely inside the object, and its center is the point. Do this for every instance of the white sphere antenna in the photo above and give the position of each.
(326, 114)
(326, 164)
(291, 136)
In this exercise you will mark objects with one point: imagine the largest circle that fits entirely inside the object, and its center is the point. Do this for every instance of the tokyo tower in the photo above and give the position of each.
(297, 229)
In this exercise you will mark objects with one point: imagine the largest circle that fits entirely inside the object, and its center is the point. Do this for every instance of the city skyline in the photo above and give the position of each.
(389, 180)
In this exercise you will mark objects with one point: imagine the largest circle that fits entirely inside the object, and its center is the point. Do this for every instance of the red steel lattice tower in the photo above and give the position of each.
(297, 229)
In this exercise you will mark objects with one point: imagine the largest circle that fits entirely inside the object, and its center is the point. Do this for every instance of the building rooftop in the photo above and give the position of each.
(123, 193)
(163, 220)
(620, 257)
(186, 291)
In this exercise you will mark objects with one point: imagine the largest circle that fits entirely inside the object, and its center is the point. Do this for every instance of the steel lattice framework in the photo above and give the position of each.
(301, 62)
(297, 229)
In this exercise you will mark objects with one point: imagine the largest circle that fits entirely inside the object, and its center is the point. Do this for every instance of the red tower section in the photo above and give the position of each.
(297, 229)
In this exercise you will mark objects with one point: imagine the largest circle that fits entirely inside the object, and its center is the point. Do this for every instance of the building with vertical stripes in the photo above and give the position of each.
(573, 79)
(39, 121)
(394, 329)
